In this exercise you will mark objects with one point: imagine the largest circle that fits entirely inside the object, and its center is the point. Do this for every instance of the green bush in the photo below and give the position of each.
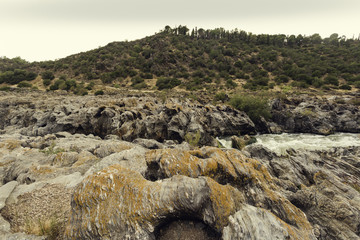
(221, 96)
(16, 76)
(230, 83)
(357, 84)
(99, 92)
(46, 82)
(48, 75)
(90, 86)
(167, 83)
(255, 107)
(136, 80)
(331, 80)
(24, 85)
(345, 87)
(140, 85)
(282, 79)
(5, 89)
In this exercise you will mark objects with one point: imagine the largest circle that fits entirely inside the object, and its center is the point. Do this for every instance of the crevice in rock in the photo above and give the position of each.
(185, 229)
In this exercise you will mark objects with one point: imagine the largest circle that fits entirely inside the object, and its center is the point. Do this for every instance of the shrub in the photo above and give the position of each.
(5, 89)
(90, 86)
(193, 138)
(99, 92)
(24, 85)
(282, 79)
(255, 107)
(46, 82)
(221, 96)
(230, 83)
(140, 85)
(332, 80)
(345, 87)
(167, 83)
(48, 75)
(357, 84)
(136, 80)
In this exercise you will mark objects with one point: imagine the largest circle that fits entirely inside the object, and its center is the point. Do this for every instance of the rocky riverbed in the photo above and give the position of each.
(121, 167)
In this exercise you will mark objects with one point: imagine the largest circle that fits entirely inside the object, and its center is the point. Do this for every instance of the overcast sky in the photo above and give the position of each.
(39, 30)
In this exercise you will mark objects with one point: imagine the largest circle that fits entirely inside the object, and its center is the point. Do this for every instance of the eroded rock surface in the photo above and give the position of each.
(127, 117)
(319, 115)
(325, 185)
(66, 171)
(118, 203)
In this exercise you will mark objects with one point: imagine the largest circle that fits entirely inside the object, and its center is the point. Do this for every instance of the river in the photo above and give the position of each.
(279, 143)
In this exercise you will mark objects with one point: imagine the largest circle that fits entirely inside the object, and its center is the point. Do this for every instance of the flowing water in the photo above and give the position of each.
(279, 143)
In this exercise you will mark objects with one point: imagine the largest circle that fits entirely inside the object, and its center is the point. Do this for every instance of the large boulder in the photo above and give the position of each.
(209, 185)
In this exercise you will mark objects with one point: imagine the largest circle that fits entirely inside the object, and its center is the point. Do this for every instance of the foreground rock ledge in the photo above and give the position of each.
(118, 203)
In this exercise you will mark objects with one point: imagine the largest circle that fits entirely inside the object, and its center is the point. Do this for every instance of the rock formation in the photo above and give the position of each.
(305, 114)
(120, 168)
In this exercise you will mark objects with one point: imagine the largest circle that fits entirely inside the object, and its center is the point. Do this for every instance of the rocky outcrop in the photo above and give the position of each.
(127, 117)
(209, 185)
(319, 115)
(325, 185)
(66, 171)
(100, 188)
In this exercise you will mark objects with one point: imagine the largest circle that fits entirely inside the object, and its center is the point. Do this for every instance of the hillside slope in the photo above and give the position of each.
(201, 59)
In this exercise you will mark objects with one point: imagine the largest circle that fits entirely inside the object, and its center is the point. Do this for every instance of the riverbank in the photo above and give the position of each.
(139, 167)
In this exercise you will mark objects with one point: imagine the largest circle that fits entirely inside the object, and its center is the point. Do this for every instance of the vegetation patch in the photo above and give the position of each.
(255, 107)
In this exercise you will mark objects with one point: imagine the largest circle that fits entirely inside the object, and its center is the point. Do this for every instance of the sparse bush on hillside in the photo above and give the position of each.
(5, 89)
(199, 59)
(46, 82)
(99, 92)
(331, 80)
(24, 85)
(255, 107)
(221, 96)
(48, 75)
(16, 76)
(345, 87)
(167, 83)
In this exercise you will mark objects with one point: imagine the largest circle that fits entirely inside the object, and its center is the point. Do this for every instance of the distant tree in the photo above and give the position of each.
(316, 38)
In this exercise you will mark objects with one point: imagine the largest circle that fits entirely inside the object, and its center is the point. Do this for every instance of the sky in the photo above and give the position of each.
(38, 30)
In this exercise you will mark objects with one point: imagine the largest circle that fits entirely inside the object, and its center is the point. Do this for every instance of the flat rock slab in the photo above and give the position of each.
(5, 191)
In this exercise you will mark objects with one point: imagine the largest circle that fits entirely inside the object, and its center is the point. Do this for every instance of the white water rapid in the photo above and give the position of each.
(279, 143)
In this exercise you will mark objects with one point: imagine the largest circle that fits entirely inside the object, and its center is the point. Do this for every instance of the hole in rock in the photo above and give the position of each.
(186, 230)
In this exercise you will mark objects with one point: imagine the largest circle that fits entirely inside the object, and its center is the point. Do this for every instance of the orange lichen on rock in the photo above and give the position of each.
(231, 167)
(10, 144)
(118, 201)
(228, 166)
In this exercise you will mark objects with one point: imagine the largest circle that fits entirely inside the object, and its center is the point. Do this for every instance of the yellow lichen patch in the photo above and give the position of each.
(211, 162)
(65, 159)
(239, 171)
(4, 163)
(113, 186)
(251, 169)
(319, 177)
(42, 169)
(118, 198)
(107, 149)
(173, 106)
(225, 202)
(10, 144)
(83, 158)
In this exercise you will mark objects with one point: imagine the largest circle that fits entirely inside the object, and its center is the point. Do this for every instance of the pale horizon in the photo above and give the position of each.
(39, 30)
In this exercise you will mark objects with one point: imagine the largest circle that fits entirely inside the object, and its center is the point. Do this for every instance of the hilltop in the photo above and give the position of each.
(212, 60)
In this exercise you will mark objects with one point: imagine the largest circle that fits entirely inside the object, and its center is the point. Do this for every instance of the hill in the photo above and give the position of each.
(214, 60)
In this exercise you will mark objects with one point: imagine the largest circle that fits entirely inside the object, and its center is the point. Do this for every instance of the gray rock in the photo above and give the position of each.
(257, 224)
(5, 191)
